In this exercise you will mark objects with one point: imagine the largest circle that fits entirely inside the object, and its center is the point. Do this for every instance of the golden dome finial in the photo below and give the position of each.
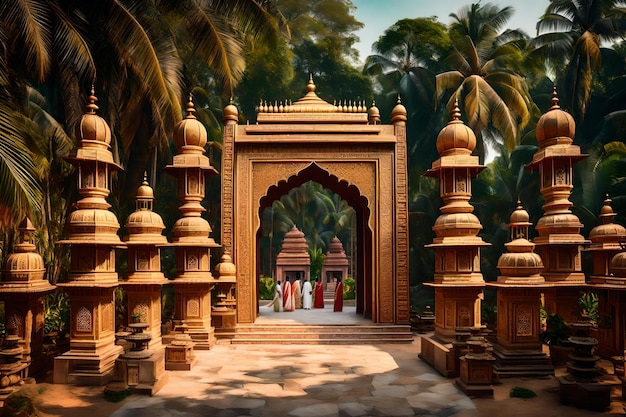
(398, 113)
(606, 212)
(191, 108)
(456, 111)
(311, 85)
(555, 99)
(91, 106)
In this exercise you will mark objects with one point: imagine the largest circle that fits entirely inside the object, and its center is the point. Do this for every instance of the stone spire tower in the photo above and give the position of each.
(144, 278)
(458, 280)
(191, 233)
(559, 242)
(518, 350)
(608, 281)
(22, 289)
(92, 278)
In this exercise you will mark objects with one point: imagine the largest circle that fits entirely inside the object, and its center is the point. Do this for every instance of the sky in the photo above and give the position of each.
(378, 15)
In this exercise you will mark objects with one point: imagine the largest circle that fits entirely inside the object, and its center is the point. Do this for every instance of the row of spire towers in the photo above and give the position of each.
(93, 238)
(555, 273)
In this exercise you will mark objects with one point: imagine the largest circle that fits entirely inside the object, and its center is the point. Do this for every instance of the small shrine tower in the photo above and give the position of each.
(293, 261)
(92, 278)
(191, 233)
(335, 264)
(144, 278)
(607, 280)
(224, 311)
(559, 242)
(22, 289)
(458, 280)
(518, 350)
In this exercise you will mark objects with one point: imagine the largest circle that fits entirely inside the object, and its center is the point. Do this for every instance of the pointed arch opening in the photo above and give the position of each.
(361, 250)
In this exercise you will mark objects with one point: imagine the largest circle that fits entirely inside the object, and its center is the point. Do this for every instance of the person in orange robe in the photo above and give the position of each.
(287, 296)
(318, 301)
(296, 294)
(338, 305)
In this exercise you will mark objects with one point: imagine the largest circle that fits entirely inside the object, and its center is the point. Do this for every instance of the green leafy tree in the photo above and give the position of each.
(407, 58)
(570, 37)
(320, 43)
(136, 54)
(484, 75)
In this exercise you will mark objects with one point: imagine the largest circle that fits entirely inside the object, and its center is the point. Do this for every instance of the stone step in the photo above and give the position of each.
(322, 334)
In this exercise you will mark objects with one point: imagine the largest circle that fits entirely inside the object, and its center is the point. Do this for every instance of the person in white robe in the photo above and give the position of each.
(278, 298)
(307, 295)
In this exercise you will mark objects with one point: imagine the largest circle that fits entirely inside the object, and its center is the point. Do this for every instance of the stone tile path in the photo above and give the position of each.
(305, 381)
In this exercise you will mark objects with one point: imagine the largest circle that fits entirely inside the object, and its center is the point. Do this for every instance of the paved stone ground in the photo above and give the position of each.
(311, 381)
(305, 381)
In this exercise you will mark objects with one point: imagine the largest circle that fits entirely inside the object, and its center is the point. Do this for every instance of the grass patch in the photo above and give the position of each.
(115, 396)
(521, 392)
(19, 403)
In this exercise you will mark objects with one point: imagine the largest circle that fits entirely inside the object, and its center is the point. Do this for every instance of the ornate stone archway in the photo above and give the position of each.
(342, 149)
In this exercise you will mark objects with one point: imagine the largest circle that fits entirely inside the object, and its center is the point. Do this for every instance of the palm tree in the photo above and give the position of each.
(407, 58)
(570, 36)
(484, 76)
(134, 51)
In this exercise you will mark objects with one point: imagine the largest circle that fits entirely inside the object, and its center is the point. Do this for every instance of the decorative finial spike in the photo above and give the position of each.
(456, 111)
(191, 109)
(92, 106)
(399, 99)
(555, 99)
(310, 87)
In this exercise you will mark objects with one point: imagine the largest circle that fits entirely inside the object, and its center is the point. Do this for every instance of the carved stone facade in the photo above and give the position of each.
(345, 151)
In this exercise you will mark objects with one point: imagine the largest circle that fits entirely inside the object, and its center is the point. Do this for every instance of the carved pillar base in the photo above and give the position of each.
(25, 312)
(145, 300)
(193, 307)
(456, 307)
(143, 376)
(518, 350)
(92, 354)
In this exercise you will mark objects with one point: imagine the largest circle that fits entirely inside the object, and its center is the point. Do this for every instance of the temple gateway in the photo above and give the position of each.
(344, 148)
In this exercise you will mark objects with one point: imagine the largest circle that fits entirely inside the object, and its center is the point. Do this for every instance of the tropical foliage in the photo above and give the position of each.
(140, 56)
(317, 212)
(144, 57)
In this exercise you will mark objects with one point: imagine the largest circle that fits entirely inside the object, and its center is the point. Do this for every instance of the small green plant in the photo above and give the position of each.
(266, 288)
(56, 312)
(521, 392)
(588, 304)
(138, 317)
(19, 403)
(349, 287)
(556, 331)
(489, 314)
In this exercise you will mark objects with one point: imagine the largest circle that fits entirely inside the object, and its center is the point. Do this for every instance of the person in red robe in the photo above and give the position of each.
(318, 301)
(338, 304)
